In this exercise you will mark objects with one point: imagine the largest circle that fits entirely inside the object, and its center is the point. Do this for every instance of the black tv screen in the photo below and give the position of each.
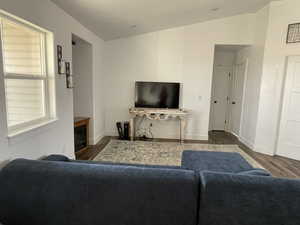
(157, 95)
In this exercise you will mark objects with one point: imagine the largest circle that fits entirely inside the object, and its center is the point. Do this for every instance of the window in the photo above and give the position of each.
(26, 75)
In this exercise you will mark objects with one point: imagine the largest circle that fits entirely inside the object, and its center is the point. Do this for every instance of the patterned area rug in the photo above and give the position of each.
(159, 153)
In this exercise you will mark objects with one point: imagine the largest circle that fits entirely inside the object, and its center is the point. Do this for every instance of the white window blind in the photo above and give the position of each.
(24, 64)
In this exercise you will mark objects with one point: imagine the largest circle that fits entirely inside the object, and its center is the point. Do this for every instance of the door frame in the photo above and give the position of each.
(282, 103)
(244, 94)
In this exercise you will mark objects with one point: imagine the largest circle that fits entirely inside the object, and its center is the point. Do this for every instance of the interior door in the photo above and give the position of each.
(288, 140)
(220, 96)
(236, 99)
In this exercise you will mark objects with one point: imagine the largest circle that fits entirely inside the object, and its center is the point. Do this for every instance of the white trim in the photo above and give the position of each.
(30, 128)
(228, 110)
(95, 140)
(18, 20)
(252, 146)
(246, 142)
(234, 134)
(196, 137)
(23, 77)
(243, 140)
(263, 150)
(44, 77)
(244, 95)
(283, 105)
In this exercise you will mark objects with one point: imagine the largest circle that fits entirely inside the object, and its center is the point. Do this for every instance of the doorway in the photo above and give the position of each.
(229, 76)
(82, 57)
(288, 140)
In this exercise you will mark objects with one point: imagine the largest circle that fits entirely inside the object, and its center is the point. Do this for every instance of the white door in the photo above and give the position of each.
(289, 133)
(220, 96)
(236, 98)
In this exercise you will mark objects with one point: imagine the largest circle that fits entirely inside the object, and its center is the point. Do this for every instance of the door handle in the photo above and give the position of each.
(233, 103)
(215, 102)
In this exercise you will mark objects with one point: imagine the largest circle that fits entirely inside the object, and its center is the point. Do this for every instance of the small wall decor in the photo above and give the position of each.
(293, 35)
(69, 77)
(60, 61)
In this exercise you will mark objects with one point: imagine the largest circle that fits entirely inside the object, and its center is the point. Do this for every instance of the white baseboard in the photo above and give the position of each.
(243, 140)
(246, 142)
(94, 141)
(196, 137)
(234, 134)
(263, 150)
(254, 147)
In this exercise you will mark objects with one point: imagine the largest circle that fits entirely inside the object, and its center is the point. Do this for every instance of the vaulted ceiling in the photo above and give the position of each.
(111, 19)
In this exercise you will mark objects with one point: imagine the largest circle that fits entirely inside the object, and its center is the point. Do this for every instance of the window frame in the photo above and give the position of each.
(44, 77)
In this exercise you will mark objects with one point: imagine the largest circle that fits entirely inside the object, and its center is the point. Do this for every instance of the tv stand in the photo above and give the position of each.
(158, 114)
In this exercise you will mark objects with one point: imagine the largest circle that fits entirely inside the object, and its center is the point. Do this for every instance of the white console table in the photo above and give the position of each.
(158, 114)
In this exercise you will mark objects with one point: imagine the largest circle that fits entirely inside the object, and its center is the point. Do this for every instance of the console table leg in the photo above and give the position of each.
(132, 129)
(182, 129)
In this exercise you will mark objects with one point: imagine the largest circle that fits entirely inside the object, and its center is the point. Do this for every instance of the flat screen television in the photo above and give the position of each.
(157, 95)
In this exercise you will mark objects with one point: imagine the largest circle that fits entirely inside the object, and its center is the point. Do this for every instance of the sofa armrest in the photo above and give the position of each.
(230, 199)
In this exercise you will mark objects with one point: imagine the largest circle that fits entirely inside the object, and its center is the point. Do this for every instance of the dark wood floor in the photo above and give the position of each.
(278, 166)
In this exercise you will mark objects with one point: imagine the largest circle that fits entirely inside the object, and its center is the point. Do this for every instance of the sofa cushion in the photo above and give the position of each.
(51, 193)
(214, 161)
(231, 199)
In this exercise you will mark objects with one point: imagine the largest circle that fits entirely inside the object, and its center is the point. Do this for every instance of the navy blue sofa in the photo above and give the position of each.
(203, 191)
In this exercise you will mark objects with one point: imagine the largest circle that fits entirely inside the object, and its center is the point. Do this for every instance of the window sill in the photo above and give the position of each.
(30, 128)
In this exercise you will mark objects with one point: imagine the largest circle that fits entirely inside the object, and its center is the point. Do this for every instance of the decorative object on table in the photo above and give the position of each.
(120, 130)
(60, 61)
(126, 130)
(293, 35)
(69, 77)
(123, 130)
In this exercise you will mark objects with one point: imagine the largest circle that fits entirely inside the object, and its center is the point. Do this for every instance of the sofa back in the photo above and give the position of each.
(230, 199)
(52, 193)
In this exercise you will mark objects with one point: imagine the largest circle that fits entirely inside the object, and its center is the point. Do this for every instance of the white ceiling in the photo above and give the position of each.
(112, 19)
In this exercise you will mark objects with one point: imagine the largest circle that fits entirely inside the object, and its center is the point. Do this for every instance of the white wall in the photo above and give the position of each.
(282, 13)
(58, 136)
(183, 55)
(83, 82)
(255, 55)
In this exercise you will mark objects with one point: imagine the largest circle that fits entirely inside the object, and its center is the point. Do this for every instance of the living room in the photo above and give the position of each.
(204, 94)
